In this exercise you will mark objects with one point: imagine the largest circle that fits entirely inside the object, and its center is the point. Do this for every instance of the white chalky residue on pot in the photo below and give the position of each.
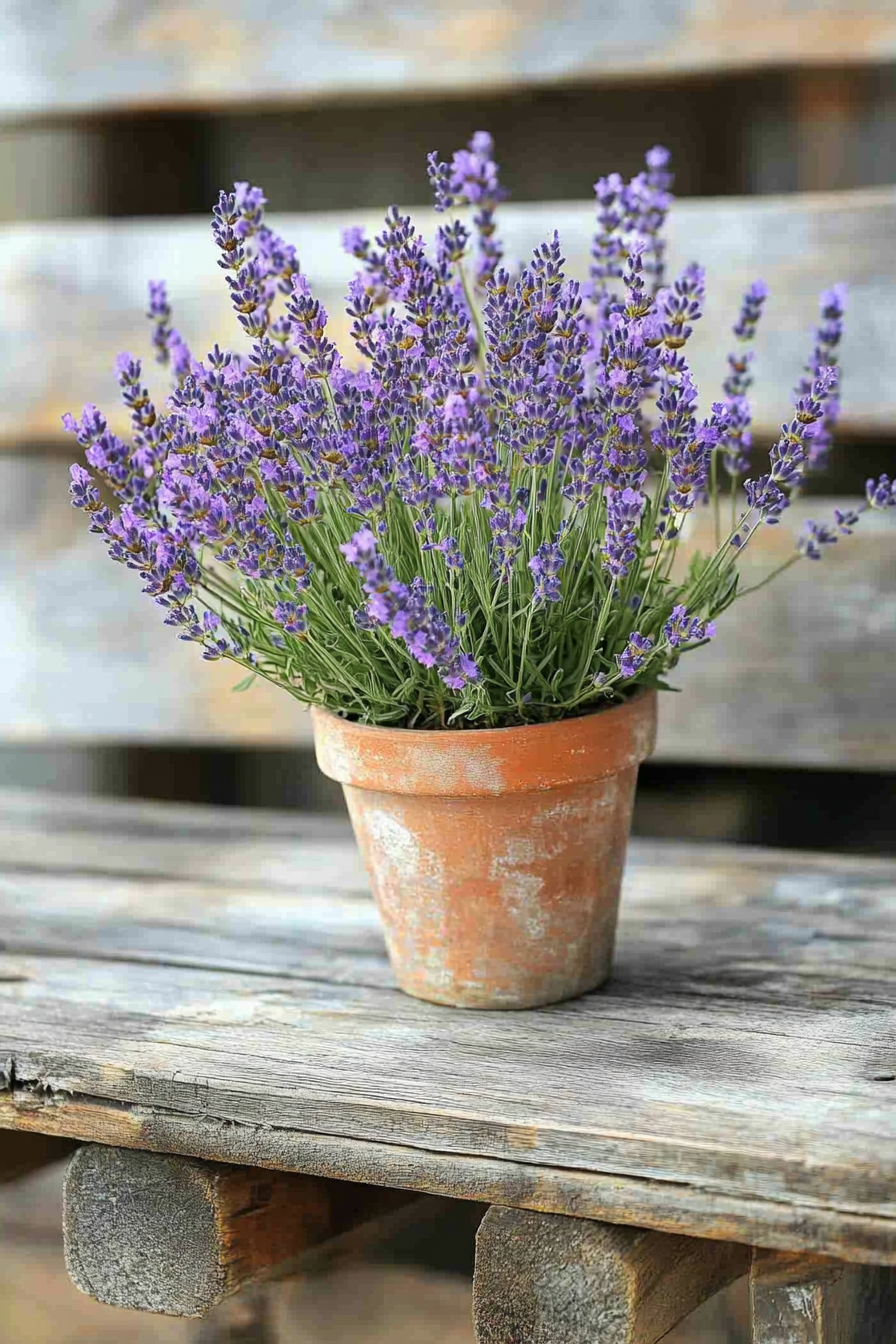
(521, 890)
(397, 844)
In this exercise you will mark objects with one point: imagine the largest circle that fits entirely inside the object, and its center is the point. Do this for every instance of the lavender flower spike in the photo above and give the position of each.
(684, 629)
(634, 655)
(422, 627)
(546, 564)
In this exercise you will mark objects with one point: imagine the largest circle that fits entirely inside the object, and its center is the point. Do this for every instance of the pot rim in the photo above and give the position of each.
(480, 762)
(639, 693)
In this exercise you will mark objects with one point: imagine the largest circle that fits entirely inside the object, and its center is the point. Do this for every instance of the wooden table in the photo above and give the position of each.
(203, 992)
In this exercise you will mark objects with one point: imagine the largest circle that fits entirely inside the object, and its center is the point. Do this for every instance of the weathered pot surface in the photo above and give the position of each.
(495, 855)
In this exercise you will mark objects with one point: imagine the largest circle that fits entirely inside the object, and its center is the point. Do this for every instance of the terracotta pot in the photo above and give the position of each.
(495, 855)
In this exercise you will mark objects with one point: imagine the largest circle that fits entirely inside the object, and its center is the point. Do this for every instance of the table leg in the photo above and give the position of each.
(549, 1279)
(806, 1299)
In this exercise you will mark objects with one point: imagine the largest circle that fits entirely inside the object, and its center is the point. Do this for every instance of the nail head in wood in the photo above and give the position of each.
(175, 1235)
(550, 1279)
(807, 1299)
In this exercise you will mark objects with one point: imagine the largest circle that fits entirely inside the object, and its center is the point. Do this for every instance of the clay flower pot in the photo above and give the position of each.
(495, 855)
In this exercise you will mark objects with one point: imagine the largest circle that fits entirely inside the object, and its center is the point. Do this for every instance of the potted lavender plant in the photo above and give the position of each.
(460, 546)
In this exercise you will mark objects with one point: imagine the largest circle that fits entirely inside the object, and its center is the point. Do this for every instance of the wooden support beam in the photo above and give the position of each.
(21, 1153)
(807, 1299)
(175, 1235)
(548, 1279)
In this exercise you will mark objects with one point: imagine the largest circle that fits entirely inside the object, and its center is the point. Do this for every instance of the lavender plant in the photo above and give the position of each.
(476, 521)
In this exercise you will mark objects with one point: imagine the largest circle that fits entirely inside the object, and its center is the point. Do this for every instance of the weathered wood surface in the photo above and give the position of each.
(802, 1299)
(801, 673)
(139, 54)
(176, 1236)
(549, 1279)
(21, 1154)
(74, 293)
(735, 1080)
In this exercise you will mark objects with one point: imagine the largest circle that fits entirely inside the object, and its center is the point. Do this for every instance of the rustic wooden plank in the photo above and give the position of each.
(176, 1236)
(295, 921)
(139, 54)
(803, 1299)
(545, 1278)
(734, 1080)
(783, 682)
(20, 1154)
(75, 292)
(665, 1206)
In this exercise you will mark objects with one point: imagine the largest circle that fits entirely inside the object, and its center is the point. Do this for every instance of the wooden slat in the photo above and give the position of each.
(801, 673)
(733, 1081)
(176, 1236)
(137, 54)
(543, 1279)
(803, 1299)
(74, 294)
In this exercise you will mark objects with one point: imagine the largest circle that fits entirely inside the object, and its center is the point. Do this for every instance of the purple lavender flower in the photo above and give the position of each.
(546, 564)
(169, 344)
(620, 546)
(293, 617)
(634, 655)
(542, 419)
(825, 355)
(846, 521)
(449, 549)
(424, 629)
(681, 305)
(766, 497)
(83, 491)
(814, 537)
(881, 494)
(737, 439)
(684, 629)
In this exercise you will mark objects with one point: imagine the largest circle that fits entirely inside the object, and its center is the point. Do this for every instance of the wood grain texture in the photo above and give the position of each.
(735, 1079)
(201, 54)
(802, 673)
(548, 1279)
(801, 1299)
(176, 1236)
(74, 293)
(21, 1154)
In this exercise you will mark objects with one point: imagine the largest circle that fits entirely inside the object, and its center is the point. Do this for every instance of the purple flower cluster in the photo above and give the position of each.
(737, 439)
(684, 629)
(634, 656)
(546, 565)
(490, 455)
(408, 614)
(825, 355)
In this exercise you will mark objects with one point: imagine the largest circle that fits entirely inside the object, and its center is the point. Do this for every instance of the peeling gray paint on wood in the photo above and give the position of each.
(733, 1081)
(199, 53)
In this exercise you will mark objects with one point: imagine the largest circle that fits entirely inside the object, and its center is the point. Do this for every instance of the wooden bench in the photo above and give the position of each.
(202, 999)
